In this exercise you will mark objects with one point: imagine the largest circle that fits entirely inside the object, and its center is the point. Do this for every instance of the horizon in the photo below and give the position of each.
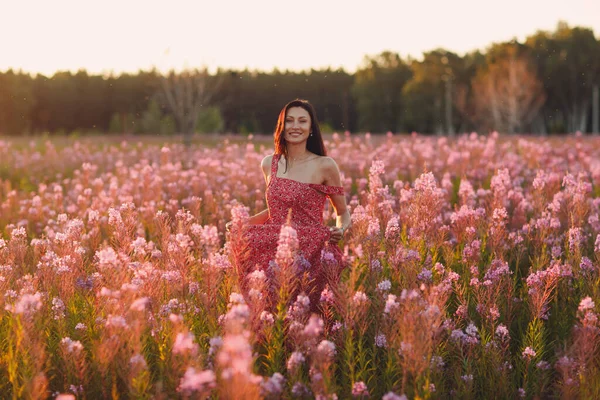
(145, 36)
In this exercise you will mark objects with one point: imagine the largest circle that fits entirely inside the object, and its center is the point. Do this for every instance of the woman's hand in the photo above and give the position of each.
(337, 234)
(228, 226)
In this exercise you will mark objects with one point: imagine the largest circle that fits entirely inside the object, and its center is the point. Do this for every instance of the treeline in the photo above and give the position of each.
(547, 84)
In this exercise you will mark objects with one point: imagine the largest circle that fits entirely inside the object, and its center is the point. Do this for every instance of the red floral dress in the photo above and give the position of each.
(306, 201)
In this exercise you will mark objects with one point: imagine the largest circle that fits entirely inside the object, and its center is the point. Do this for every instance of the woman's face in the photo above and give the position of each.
(297, 125)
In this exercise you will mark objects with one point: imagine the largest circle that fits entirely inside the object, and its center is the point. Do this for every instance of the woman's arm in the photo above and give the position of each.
(259, 218)
(262, 216)
(331, 174)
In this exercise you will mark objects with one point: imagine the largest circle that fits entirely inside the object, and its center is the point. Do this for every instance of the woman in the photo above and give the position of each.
(299, 179)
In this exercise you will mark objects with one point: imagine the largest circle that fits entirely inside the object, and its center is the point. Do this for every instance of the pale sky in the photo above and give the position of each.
(127, 35)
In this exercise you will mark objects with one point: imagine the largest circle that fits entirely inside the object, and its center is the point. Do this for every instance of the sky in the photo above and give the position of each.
(45, 36)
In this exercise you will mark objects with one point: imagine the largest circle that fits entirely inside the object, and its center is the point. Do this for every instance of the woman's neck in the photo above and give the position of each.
(297, 152)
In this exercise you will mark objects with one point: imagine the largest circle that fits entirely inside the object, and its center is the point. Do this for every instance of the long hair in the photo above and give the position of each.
(314, 143)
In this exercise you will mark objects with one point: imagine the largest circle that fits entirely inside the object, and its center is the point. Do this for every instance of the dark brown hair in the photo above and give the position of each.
(314, 143)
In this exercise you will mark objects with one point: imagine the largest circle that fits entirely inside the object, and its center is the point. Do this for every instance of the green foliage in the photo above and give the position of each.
(210, 120)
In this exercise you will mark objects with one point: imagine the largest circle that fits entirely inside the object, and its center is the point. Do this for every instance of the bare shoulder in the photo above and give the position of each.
(266, 164)
(329, 171)
(267, 161)
(328, 165)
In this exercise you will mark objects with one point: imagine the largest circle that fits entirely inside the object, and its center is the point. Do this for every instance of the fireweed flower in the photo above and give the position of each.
(393, 396)
(138, 360)
(391, 304)
(300, 390)
(381, 341)
(376, 266)
(197, 382)
(58, 308)
(215, 344)
(384, 286)
(327, 296)
(586, 304)
(360, 299)
(392, 229)
(267, 317)
(71, 346)
(373, 228)
(437, 362)
(314, 327)
(586, 265)
(27, 305)
(300, 307)
(274, 385)
(326, 349)
(359, 389)
(528, 354)
(235, 356)
(184, 343)
(575, 238)
(140, 304)
(287, 246)
(295, 361)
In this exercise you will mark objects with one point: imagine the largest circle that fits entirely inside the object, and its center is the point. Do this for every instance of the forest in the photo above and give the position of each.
(547, 84)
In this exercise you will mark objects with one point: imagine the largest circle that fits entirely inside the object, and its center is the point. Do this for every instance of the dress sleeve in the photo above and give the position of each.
(328, 190)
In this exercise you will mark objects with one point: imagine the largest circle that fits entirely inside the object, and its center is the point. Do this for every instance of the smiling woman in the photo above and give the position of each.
(300, 177)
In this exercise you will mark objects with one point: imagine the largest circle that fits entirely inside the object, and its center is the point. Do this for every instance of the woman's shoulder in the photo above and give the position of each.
(327, 163)
(267, 160)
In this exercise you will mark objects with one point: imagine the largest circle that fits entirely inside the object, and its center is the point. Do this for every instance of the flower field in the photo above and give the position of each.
(473, 272)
